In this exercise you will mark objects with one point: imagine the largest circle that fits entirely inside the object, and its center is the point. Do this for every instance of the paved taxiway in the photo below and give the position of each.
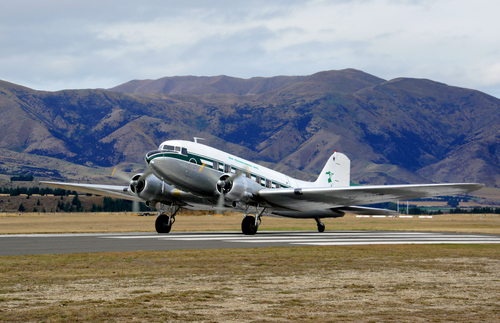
(32, 244)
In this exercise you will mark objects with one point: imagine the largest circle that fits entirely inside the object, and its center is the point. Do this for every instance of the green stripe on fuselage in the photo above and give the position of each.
(186, 158)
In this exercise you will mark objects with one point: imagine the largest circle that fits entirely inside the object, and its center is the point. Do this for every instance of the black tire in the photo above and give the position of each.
(161, 224)
(248, 226)
(321, 227)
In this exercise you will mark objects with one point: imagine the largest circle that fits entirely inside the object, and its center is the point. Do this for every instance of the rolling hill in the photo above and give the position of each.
(398, 131)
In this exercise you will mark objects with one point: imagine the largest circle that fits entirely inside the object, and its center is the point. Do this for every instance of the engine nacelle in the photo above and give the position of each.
(240, 189)
(150, 187)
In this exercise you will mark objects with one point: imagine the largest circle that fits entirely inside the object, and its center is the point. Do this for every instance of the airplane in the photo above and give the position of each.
(190, 175)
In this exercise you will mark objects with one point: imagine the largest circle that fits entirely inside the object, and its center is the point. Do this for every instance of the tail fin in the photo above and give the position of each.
(337, 171)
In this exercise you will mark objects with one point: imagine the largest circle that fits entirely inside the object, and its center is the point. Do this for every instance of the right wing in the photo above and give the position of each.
(311, 199)
(116, 191)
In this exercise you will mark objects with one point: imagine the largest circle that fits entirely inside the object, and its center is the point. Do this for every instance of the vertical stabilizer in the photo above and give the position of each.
(337, 171)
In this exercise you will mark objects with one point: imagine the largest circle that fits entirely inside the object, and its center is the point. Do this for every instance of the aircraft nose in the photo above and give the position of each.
(159, 166)
(151, 155)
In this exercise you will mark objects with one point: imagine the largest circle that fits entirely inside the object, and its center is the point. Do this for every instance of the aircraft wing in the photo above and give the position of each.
(312, 199)
(116, 191)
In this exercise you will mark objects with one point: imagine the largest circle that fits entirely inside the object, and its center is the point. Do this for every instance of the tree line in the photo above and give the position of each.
(36, 190)
(22, 178)
(476, 210)
(414, 210)
(109, 205)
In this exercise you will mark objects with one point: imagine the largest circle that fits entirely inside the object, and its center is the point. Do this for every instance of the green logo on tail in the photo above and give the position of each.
(330, 174)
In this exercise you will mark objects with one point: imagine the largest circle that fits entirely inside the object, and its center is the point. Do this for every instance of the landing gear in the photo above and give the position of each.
(251, 223)
(248, 226)
(162, 224)
(165, 220)
(321, 225)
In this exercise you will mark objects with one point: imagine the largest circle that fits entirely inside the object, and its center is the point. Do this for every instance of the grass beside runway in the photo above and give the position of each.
(459, 283)
(125, 222)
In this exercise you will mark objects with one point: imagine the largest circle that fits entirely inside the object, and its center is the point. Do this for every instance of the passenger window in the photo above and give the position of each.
(216, 165)
(227, 168)
(257, 179)
(268, 183)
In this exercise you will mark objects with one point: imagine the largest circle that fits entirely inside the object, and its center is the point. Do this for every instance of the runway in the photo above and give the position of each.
(33, 244)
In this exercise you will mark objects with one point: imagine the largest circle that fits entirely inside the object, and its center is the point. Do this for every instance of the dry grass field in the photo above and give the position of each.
(11, 223)
(398, 283)
(382, 283)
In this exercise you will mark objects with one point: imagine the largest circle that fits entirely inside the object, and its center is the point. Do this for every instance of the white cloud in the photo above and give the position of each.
(68, 44)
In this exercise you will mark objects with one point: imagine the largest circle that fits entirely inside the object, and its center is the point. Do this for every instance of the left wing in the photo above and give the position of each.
(312, 199)
(116, 191)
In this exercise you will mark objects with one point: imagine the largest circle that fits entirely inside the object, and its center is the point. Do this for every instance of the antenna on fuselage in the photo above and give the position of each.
(197, 138)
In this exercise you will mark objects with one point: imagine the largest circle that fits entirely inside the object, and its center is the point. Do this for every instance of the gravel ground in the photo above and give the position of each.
(461, 289)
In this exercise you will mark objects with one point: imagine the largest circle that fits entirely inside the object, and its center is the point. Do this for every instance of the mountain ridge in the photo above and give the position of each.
(348, 80)
(403, 130)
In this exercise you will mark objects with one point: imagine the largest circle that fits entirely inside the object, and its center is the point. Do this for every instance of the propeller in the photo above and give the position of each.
(135, 184)
(224, 185)
(120, 174)
(214, 177)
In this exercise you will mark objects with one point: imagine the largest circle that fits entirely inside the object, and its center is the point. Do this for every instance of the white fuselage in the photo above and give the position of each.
(184, 164)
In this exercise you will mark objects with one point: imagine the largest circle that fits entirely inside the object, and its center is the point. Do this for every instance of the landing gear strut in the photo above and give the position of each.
(251, 223)
(166, 219)
(321, 225)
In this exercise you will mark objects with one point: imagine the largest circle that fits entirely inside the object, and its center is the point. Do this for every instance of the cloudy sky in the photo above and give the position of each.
(64, 44)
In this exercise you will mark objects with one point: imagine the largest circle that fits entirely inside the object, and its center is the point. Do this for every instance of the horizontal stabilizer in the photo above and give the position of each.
(361, 210)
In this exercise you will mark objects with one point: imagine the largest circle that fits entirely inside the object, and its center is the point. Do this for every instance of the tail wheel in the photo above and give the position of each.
(321, 227)
(248, 226)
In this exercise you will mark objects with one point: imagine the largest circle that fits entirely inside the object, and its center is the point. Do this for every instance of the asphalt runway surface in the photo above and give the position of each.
(34, 244)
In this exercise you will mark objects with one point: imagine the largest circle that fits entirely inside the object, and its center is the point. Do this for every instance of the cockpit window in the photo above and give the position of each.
(166, 147)
(174, 148)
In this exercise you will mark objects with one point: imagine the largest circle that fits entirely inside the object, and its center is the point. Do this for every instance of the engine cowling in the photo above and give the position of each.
(239, 189)
(149, 188)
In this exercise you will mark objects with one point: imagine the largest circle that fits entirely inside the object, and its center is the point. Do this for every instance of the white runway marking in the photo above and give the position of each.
(353, 243)
(324, 239)
(30, 244)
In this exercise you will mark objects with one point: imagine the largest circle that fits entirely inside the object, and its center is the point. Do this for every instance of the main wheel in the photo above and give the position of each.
(161, 224)
(248, 226)
(321, 227)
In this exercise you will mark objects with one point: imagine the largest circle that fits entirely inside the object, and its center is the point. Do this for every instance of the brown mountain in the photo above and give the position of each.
(347, 81)
(399, 131)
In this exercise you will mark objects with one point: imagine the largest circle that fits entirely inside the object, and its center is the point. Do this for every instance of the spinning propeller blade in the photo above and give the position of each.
(124, 176)
(120, 174)
(222, 183)
(220, 205)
